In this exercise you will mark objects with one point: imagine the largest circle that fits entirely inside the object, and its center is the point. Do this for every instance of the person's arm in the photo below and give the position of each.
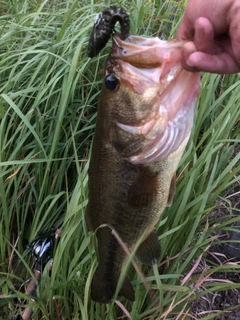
(212, 31)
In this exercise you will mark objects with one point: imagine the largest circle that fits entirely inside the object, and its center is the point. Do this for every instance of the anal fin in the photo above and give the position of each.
(149, 250)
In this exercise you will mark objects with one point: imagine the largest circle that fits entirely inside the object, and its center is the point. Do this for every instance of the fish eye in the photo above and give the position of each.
(111, 82)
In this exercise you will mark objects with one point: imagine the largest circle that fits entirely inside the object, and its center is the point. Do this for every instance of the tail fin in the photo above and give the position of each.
(103, 289)
(127, 290)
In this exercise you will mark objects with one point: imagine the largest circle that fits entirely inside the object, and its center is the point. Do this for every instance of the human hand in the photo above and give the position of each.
(212, 28)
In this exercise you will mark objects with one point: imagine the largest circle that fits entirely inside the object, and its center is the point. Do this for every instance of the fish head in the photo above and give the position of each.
(148, 98)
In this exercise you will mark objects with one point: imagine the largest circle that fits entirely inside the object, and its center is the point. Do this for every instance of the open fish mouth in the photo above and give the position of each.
(146, 65)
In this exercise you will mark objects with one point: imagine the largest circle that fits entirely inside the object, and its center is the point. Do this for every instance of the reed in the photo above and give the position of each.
(48, 97)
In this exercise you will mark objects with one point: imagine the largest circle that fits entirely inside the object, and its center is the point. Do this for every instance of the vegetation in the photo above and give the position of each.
(48, 97)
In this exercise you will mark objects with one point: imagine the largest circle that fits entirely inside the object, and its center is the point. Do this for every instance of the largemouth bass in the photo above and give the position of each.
(144, 121)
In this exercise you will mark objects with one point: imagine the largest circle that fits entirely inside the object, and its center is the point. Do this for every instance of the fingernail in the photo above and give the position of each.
(189, 63)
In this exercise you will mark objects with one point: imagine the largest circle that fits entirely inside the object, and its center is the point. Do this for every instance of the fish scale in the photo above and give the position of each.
(133, 163)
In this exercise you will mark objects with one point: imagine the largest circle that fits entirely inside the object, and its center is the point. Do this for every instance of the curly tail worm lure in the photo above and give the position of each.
(104, 26)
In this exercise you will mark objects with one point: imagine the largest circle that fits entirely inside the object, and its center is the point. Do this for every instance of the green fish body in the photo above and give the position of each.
(144, 121)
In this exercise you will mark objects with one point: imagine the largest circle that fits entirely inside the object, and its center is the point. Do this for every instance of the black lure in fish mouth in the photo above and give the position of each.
(103, 27)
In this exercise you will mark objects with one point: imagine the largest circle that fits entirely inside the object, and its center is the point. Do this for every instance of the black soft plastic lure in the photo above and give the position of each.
(42, 248)
(104, 26)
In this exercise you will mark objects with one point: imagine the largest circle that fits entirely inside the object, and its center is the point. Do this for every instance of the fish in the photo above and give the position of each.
(144, 120)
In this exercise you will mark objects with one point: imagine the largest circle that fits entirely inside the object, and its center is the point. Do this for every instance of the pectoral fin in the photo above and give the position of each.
(149, 250)
(143, 190)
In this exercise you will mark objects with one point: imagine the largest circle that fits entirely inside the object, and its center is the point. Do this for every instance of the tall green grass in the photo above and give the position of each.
(48, 97)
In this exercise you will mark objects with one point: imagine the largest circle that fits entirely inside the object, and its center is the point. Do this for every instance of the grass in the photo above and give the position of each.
(48, 97)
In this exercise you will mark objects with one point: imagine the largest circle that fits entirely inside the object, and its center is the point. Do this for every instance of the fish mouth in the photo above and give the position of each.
(149, 61)
(146, 63)
(144, 52)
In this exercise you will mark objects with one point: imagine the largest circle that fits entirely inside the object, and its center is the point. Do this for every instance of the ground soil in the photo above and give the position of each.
(226, 252)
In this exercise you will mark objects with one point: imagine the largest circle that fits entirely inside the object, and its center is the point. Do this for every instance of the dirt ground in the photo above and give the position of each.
(229, 300)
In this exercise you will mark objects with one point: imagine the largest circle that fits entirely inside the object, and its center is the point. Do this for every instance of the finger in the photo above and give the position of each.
(188, 49)
(204, 35)
(222, 63)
